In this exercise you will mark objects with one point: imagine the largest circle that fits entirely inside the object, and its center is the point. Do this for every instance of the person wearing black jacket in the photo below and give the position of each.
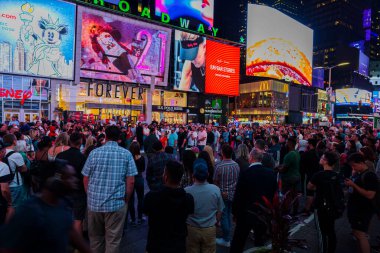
(309, 166)
(168, 209)
(253, 184)
(326, 185)
(148, 142)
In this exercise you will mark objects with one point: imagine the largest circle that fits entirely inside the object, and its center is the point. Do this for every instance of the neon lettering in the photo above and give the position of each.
(201, 28)
(124, 6)
(214, 31)
(184, 22)
(145, 12)
(99, 2)
(165, 18)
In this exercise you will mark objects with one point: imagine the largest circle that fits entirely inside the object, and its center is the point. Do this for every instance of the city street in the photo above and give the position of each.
(134, 239)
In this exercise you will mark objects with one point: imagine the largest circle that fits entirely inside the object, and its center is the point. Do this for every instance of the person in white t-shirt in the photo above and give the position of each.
(17, 165)
(6, 209)
(202, 138)
(192, 138)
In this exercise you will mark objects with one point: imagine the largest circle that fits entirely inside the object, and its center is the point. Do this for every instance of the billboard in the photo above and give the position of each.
(122, 49)
(318, 78)
(190, 62)
(278, 46)
(222, 69)
(353, 96)
(363, 63)
(198, 10)
(37, 38)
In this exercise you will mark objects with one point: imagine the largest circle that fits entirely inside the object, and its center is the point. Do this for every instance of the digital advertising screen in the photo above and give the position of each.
(318, 78)
(37, 38)
(352, 96)
(122, 49)
(363, 63)
(222, 69)
(198, 10)
(278, 46)
(190, 62)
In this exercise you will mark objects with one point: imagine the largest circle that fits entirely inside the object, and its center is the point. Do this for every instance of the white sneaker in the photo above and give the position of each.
(222, 242)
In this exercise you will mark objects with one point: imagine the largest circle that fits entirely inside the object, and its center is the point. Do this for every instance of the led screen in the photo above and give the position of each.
(319, 78)
(352, 96)
(190, 62)
(199, 10)
(278, 46)
(121, 49)
(222, 69)
(37, 38)
(363, 63)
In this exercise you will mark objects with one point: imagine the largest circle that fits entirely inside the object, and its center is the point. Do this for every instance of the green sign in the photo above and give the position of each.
(376, 122)
(124, 7)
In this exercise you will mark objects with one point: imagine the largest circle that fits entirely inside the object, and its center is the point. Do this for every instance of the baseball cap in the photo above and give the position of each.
(25, 128)
(189, 48)
(200, 169)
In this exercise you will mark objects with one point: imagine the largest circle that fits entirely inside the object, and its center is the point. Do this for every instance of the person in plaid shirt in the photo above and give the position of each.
(108, 179)
(225, 177)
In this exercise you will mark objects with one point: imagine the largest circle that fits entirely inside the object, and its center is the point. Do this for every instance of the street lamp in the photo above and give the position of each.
(331, 68)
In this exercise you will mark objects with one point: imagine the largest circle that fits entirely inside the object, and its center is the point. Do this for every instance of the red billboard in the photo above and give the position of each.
(222, 69)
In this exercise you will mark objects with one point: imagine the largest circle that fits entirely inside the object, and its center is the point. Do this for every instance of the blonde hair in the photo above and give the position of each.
(62, 140)
(242, 151)
(210, 152)
(89, 142)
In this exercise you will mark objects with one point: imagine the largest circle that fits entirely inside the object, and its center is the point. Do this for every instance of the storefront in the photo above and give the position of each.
(263, 102)
(169, 106)
(25, 98)
(103, 101)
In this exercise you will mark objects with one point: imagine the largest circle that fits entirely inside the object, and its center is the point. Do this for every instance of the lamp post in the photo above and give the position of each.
(330, 70)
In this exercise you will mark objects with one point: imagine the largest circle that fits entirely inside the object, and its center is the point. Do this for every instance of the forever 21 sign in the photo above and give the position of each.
(115, 91)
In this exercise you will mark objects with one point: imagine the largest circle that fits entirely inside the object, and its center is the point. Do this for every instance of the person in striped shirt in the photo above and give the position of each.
(225, 177)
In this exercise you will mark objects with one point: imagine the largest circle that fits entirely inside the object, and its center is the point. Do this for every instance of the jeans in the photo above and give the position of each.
(139, 189)
(326, 225)
(226, 221)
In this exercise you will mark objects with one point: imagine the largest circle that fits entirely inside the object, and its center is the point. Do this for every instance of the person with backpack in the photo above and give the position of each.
(329, 200)
(16, 163)
(360, 207)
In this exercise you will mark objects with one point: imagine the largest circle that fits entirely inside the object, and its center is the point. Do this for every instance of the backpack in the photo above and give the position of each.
(376, 200)
(333, 201)
(8, 178)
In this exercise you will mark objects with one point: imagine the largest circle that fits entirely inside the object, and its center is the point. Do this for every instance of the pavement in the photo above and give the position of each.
(135, 238)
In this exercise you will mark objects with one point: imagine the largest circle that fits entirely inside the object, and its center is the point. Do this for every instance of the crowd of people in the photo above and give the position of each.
(62, 182)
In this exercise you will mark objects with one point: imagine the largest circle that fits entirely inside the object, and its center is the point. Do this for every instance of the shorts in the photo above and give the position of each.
(18, 195)
(79, 206)
(360, 223)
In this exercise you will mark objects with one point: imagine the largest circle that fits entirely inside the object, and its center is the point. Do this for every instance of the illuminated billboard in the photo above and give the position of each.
(121, 49)
(353, 96)
(190, 62)
(278, 46)
(199, 10)
(222, 69)
(37, 38)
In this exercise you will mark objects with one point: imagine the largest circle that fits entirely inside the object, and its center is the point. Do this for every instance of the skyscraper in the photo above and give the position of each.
(375, 31)
(5, 57)
(19, 59)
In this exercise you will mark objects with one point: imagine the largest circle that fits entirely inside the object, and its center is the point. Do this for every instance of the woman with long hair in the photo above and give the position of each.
(90, 142)
(139, 185)
(61, 144)
(242, 157)
(369, 157)
(188, 161)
